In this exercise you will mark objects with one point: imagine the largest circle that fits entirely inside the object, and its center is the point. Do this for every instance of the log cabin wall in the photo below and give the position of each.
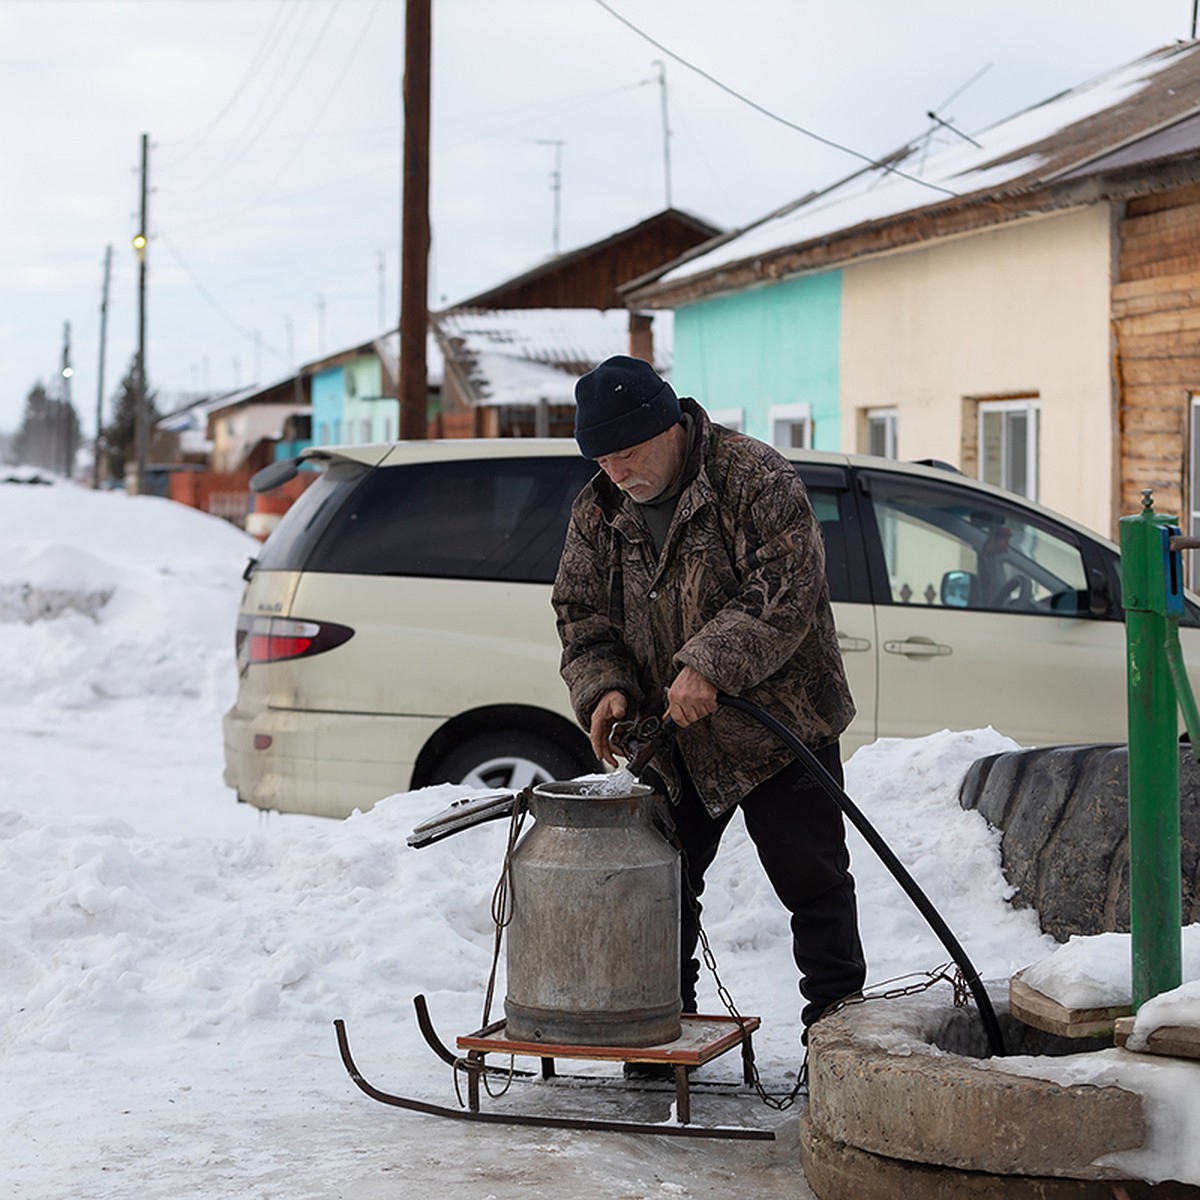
(1156, 320)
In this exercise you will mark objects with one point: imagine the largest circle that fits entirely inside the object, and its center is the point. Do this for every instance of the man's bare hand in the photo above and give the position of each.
(610, 708)
(691, 698)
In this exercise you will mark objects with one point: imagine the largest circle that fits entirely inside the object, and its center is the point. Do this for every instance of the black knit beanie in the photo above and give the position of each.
(621, 403)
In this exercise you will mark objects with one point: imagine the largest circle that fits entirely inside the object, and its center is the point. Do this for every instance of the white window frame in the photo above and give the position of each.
(889, 419)
(731, 418)
(1031, 408)
(783, 420)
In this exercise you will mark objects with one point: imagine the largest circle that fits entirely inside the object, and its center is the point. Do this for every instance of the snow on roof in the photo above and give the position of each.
(1052, 140)
(388, 349)
(515, 356)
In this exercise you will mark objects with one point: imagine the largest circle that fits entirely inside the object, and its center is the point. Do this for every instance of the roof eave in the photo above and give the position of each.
(963, 215)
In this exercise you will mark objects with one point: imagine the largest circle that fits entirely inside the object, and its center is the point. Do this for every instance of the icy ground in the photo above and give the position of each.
(171, 962)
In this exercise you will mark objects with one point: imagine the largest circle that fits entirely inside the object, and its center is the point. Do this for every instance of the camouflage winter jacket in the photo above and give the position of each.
(738, 593)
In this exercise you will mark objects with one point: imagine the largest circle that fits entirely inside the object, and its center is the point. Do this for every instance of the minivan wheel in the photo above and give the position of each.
(508, 760)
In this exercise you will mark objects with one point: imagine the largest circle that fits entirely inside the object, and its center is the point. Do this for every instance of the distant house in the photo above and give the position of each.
(219, 443)
(512, 372)
(244, 427)
(512, 354)
(354, 391)
(1023, 301)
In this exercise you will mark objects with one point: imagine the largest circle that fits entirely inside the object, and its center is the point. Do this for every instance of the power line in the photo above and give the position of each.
(540, 111)
(337, 83)
(307, 135)
(249, 140)
(766, 112)
(208, 298)
(291, 87)
(260, 55)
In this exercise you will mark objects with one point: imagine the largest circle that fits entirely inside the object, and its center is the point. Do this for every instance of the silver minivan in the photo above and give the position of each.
(396, 628)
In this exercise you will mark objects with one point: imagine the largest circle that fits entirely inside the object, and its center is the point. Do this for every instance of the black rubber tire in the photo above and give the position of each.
(509, 759)
(1064, 815)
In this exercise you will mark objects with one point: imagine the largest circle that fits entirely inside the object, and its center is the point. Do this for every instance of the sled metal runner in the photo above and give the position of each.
(475, 1068)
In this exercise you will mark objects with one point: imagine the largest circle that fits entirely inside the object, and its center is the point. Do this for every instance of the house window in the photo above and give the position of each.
(364, 430)
(387, 429)
(880, 433)
(1193, 497)
(791, 426)
(1008, 444)
(730, 418)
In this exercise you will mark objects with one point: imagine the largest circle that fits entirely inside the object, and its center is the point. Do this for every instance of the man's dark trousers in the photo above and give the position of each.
(800, 836)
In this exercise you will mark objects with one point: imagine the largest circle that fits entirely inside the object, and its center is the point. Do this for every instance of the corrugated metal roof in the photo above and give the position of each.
(515, 355)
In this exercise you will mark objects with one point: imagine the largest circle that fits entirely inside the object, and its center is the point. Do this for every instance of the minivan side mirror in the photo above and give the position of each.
(1099, 593)
(275, 475)
(957, 589)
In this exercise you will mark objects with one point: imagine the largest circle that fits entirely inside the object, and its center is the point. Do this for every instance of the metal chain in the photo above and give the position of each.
(778, 1103)
(947, 972)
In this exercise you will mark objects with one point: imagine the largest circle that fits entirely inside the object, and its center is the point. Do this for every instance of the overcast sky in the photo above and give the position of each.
(275, 142)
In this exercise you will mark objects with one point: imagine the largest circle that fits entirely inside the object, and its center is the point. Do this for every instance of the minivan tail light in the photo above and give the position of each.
(277, 639)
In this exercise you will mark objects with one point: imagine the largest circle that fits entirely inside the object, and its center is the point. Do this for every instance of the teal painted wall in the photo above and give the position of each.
(770, 346)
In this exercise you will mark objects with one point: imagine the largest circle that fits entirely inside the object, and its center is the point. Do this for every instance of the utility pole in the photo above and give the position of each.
(142, 415)
(413, 387)
(555, 185)
(666, 127)
(64, 415)
(292, 364)
(380, 266)
(100, 370)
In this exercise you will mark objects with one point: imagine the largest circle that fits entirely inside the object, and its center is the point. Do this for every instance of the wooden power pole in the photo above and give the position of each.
(414, 266)
(142, 415)
(100, 370)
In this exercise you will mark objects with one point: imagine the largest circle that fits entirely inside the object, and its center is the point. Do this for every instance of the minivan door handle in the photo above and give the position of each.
(917, 647)
(848, 644)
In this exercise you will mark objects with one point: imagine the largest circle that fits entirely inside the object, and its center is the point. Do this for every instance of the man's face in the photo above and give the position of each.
(646, 470)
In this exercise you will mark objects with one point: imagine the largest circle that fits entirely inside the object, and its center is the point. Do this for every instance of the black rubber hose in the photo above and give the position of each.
(986, 1012)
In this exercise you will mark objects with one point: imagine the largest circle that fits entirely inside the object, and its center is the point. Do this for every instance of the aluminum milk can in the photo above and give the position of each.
(593, 943)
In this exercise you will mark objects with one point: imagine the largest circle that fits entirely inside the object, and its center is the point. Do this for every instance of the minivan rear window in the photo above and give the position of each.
(490, 519)
(297, 532)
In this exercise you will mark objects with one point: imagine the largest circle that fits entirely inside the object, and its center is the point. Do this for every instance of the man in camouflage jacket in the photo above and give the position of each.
(694, 565)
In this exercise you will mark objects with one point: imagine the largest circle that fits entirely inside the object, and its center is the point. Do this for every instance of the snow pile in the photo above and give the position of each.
(1096, 971)
(105, 595)
(1179, 1007)
(171, 962)
(908, 790)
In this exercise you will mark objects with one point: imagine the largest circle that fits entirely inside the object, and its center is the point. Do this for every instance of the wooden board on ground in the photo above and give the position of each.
(1174, 1041)
(1037, 1009)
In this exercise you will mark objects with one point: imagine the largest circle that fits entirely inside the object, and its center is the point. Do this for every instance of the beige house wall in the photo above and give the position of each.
(1019, 310)
(236, 431)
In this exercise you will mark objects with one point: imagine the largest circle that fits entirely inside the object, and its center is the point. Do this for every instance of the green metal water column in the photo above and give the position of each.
(1152, 593)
